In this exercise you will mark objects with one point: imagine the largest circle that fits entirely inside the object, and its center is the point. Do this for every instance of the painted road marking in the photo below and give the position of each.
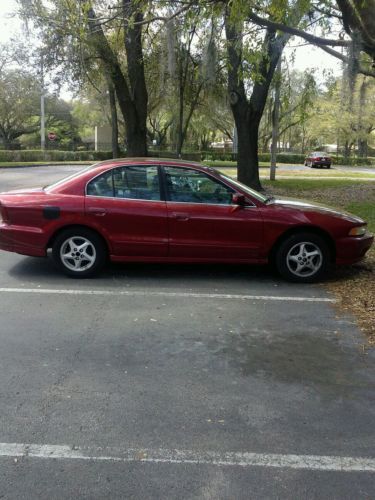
(241, 459)
(138, 293)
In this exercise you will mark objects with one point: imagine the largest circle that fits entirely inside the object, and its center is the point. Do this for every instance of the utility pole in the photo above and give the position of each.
(275, 121)
(42, 112)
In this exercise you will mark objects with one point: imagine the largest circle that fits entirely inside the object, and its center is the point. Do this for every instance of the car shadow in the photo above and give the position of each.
(31, 269)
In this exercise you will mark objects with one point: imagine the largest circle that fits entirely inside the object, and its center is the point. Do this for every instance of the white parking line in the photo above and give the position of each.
(139, 293)
(241, 459)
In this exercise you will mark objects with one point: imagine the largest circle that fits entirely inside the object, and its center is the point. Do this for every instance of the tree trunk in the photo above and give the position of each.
(347, 149)
(362, 148)
(247, 155)
(247, 113)
(114, 121)
(362, 140)
(180, 128)
(132, 97)
(137, 127)
(275, 122)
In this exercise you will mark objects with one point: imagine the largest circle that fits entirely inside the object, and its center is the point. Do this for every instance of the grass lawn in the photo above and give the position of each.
(353, 285)
(304, 172)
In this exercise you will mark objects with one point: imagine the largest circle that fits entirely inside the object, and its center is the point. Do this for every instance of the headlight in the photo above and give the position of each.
(357, 231)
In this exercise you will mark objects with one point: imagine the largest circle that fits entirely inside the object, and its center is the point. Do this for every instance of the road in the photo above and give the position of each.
(158, 382)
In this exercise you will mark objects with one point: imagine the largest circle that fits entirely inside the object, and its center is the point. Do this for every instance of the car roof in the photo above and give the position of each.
(148, 161)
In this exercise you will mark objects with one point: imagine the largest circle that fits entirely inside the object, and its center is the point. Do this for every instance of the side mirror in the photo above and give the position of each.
(238, 199)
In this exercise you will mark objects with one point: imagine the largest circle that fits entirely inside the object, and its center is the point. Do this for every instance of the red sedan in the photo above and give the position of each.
(318, 159)
(154, 210)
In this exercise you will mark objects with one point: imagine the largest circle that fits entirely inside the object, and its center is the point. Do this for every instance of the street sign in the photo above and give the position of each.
(51, 136)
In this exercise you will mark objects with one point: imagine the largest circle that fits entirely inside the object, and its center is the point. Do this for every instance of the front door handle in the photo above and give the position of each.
(99, 212)
(180, 216)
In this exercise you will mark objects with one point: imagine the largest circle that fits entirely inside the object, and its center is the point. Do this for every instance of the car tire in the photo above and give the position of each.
(79, 253)
(303, 258)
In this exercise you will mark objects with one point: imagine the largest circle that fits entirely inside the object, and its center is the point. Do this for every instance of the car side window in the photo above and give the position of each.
(137, 182)
(191, 186)
(102, 185)
(131, 182)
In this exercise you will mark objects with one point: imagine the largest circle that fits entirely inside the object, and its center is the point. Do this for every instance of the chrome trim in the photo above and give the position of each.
(211, 204)
(125, 199)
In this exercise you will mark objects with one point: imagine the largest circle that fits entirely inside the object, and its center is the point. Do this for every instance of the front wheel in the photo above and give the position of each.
(303, 258)
(79, 253)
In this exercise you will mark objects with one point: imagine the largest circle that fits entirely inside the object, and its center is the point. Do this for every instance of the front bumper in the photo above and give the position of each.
(352, 249)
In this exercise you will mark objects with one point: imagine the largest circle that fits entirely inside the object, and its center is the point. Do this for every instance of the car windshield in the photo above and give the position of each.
(245, 188)
(319, 153)
(68, 178)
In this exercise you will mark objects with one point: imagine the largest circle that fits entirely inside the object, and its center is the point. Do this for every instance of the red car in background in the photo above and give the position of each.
(154, 210)
(318, 159)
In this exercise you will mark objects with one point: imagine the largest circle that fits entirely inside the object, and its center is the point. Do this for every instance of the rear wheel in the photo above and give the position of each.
(303, 258)
(79, 253)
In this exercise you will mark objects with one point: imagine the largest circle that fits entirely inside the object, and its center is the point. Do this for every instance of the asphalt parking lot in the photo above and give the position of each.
(178, 382)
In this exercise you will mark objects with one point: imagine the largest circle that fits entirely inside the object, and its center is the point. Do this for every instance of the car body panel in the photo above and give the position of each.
(224, 231)
(132, 227)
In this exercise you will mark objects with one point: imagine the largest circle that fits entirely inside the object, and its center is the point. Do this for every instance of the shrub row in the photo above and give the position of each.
(57, 155)
(53, 155)
(287, 158)
(35, 155)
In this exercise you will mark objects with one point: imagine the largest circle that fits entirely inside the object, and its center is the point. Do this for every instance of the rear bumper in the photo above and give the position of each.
(23, 240)
(352, 249)
(321, 163)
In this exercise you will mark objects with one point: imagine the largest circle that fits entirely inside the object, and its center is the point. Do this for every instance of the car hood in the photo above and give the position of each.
(307, 206)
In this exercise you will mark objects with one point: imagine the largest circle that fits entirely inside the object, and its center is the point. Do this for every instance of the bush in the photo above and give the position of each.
(35, 155)
(292, 158)
(52, 155)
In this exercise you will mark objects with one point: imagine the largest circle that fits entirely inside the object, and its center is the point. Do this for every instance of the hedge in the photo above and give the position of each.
(57, 155)
(287, 158)
(52, 155)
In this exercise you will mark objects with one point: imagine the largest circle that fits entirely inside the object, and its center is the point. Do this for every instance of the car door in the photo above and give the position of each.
(125, 204)
(203, 222)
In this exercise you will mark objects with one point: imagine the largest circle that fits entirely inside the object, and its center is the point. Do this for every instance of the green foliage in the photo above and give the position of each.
(366, 210)
(52, 155)
(337, 117)
(19, 104)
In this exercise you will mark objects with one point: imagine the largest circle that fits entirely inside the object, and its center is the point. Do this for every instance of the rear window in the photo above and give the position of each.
(68, 178)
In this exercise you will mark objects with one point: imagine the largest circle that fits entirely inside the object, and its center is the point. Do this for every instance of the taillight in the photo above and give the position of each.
(318, 158)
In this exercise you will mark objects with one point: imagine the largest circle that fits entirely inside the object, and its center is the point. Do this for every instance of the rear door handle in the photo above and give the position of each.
(99, 212)
(180, 216)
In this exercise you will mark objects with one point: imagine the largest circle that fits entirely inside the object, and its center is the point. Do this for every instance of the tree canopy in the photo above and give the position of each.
(164, 63)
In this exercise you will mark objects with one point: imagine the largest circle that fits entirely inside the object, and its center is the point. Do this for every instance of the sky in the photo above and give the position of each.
(9, 26)
(306, 56)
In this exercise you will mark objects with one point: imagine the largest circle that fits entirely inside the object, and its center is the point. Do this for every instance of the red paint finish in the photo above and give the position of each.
(214, 231)
(158, 229)
(132, 227)
(318, 159)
